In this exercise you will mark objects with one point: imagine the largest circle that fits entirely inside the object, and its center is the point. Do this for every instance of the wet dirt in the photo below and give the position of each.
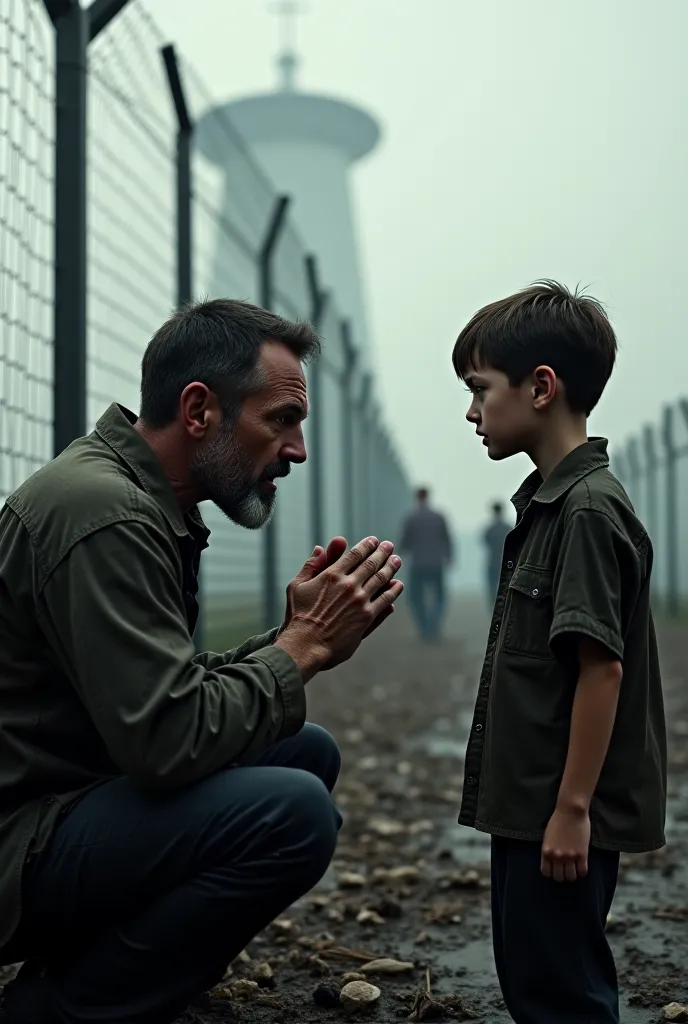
(408, 883)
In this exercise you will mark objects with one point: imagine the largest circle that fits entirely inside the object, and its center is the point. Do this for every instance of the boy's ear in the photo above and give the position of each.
(544, 386)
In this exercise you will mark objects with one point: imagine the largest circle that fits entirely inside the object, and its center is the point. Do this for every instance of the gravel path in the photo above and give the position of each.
(409, 884)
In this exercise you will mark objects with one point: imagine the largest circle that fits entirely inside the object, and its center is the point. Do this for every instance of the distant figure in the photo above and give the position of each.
(493, 538)
(427, 540)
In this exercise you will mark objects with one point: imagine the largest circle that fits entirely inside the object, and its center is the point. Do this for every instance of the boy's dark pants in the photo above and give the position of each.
(140, 902)
(553, 959)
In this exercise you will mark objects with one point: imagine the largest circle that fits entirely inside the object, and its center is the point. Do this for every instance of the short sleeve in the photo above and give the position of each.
(597, 577)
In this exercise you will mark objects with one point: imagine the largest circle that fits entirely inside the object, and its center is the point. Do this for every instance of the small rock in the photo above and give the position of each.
(352, 976)
(264, 976)
(244, 957)
(386, 965)
(358, 995)
(400, 875)
(244, 989)
(675, 1012)
(386, 827)
(389, 909)
(351, 880)
(283, 924)
(326, 995)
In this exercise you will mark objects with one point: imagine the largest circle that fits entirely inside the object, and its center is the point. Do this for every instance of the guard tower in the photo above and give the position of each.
(307, 143)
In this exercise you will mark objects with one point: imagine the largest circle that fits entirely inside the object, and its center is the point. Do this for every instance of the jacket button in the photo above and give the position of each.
(535, 592)
(471, 780)
(479, 727)
(509, 565)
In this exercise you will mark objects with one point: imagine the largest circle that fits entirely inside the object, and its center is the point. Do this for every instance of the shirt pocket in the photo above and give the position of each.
(528, 613)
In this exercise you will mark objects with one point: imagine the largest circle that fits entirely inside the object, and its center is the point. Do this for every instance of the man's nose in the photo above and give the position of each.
(473, 416)
(294, 448)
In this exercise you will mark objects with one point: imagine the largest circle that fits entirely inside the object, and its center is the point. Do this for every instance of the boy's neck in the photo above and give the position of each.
(557, 442)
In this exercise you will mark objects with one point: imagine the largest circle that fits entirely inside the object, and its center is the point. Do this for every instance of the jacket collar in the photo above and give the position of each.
(574, 467)
(116, 428)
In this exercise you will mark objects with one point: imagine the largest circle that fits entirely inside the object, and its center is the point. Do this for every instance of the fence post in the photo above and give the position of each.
(671, 551)
(270, 546)
(185, 130)
(318, 304)
(366, 445)
(348, 482)
(650, 450)
(75, 27)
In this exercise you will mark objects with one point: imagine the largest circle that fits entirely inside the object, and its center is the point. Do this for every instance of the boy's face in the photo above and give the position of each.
(503, 415)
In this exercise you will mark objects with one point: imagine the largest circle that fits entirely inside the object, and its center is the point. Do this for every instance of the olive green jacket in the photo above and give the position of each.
(98, 671)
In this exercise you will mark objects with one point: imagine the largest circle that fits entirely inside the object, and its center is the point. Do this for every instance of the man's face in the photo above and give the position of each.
(236, 468)
(503, 415)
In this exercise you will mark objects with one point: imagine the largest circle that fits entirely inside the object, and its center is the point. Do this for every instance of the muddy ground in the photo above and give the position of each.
(408, 883)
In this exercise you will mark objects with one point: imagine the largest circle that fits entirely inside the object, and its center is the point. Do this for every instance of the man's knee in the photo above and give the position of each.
(322, 753)
(310, 819)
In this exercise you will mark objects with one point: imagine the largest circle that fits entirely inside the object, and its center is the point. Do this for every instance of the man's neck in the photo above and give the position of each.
(558, 442)
(166, 449)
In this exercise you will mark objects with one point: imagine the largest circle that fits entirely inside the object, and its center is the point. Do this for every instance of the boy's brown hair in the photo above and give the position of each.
(544, 324)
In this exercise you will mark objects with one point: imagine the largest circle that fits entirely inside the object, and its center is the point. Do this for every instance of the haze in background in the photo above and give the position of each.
(520, 140)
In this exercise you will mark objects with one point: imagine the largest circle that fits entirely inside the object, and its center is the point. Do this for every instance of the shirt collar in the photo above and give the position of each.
(573, 468)
(116, 428)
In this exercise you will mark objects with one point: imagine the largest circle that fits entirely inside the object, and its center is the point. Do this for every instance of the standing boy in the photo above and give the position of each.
(566, 761)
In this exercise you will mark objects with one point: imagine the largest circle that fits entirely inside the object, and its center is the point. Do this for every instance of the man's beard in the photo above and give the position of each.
(226, 477)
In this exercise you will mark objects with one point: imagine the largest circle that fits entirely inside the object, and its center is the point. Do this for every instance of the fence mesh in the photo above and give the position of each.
(27, 131)
(132, 282)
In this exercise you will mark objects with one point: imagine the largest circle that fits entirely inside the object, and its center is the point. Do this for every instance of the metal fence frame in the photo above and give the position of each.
(373, 485)
(649, 465)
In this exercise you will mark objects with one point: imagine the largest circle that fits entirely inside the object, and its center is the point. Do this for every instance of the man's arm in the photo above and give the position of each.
(451, 550)
(113, 614)
(597, 567)
(210, 660)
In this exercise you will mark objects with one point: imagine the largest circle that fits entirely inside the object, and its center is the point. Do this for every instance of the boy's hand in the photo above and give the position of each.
(565, 846)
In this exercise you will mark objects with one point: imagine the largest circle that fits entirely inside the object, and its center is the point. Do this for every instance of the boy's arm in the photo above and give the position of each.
(566, 842)
(598, 573)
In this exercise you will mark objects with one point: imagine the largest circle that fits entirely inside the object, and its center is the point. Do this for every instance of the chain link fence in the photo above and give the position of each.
(125, 278)
(653, 467)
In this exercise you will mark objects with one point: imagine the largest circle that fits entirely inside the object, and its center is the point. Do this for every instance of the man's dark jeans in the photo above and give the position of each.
(140, 902)
(427, 598)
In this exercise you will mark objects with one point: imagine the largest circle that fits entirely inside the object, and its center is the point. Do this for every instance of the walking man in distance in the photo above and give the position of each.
(493, 538)
(159, 807)
(426, 538)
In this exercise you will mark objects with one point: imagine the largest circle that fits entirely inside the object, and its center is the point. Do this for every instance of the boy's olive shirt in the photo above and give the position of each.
(98, 673)
(578, 562)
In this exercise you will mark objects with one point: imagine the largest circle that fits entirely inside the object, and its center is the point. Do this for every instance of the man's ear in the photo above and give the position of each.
(544, 386)
(199, 410)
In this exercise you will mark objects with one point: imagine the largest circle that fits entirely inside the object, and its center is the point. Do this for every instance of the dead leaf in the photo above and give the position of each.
(369, 917)
(386, 965)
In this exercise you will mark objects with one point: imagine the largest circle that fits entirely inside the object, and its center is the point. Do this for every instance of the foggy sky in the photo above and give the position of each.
(521, 139)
